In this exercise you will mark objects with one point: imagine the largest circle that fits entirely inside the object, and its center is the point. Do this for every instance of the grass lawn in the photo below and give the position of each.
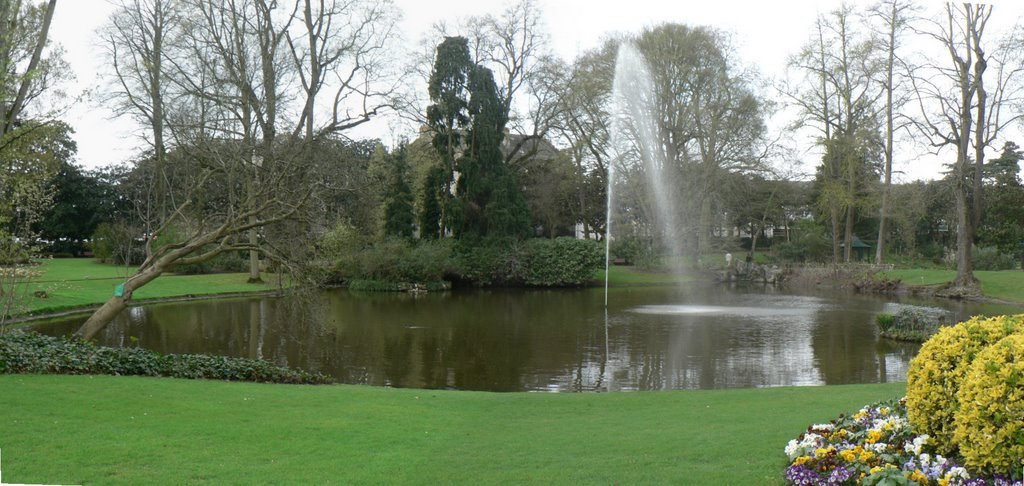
(81, 282)
(130, 430)
(629, 275)
(1004, 285)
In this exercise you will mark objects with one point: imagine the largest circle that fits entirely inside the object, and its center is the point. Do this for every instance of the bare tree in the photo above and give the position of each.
(965, 105)
(582, 117)
(709, 118)
(894, 17)
(514, 45)
(342, 47)
(235, 82)
(24, 73)
(134, 41)
(246, 38)
(838, 97)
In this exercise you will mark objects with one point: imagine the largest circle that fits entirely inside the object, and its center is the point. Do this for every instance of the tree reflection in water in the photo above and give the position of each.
(564, 340)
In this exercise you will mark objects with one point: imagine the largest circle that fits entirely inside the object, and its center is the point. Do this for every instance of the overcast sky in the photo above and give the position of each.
(765, 32)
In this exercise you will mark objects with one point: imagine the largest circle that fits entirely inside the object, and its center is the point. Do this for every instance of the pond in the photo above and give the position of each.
(650, 338)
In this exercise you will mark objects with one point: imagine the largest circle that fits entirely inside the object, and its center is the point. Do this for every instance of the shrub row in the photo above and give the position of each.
(29, 352)
(536, 262)
(965, 389)
(395, 260)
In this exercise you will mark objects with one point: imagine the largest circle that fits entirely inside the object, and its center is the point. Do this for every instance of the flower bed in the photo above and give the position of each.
(875, 446)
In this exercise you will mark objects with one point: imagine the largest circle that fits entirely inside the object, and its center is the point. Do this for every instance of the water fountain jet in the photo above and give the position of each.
(634, 124)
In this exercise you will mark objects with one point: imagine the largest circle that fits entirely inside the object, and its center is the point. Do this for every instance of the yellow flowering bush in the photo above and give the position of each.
(936, 374)
(990, 421)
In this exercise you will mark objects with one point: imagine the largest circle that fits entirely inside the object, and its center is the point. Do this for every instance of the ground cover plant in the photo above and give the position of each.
(30, 352)
(913, 323)
(138, 430)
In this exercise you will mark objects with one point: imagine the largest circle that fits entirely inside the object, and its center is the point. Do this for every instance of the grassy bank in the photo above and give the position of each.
(80, 282)
(621, 276)
(123, 430)
(72, 283)
(1005, 285)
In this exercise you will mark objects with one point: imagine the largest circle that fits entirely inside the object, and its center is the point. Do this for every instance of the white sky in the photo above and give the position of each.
(766, 33)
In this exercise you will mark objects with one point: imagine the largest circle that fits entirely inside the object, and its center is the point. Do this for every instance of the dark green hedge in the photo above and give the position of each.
(537, 262)
(29, 352)
(561, 262)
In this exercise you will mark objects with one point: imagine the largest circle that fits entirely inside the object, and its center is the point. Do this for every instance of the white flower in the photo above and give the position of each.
(893, 424)
(791, 448)
(810, 442)
(958, 473)
(876, 447)
(917, 444)
(823, 427)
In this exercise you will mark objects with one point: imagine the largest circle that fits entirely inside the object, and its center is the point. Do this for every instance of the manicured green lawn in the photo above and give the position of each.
(80, 282)
(629, 275)
(129, 430)
(1005, 285)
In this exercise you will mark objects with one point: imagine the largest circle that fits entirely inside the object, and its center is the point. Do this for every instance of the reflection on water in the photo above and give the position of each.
(552, 340)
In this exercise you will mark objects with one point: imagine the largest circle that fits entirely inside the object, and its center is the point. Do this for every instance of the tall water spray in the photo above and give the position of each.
(634, 129)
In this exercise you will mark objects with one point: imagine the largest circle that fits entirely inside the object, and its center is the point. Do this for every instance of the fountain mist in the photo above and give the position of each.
(633, 124)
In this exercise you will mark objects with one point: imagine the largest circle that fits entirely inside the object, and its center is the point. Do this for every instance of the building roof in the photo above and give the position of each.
(529, 146)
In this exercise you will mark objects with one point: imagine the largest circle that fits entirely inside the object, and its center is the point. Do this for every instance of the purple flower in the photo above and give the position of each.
(1000, 480)
(840, 475)
(802, 475)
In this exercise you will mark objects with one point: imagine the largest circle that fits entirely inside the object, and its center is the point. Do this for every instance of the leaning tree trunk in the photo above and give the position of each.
(106, 313)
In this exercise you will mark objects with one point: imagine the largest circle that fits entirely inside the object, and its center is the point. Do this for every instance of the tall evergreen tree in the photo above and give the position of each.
(491, 199)
(398, 210)
(1001, 223)
(429, 218)
(448, 116)
(468, 118)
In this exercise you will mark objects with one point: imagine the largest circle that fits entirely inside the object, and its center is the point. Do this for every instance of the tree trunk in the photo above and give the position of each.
(883, 217)
(964, 240)
(848, 236)
(704, 230)
(254, 257)
(99, 319)
(882, 222)
(835, 234)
